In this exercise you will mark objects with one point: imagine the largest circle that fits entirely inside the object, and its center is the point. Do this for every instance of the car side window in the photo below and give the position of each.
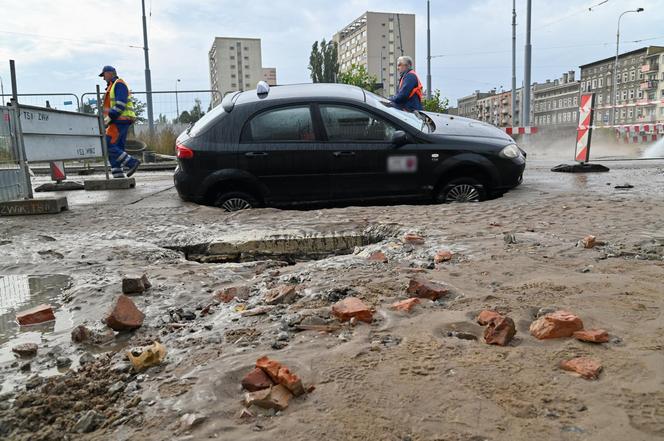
(282, 124)
(343, 123)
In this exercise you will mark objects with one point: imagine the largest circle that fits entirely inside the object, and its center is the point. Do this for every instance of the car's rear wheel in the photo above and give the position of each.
(235, 201)
(462, 190)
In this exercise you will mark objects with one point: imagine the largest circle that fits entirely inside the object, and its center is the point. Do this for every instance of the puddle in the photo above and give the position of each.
(20, 292)
(290, 249)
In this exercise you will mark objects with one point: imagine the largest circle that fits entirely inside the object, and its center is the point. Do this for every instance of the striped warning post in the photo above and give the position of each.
(584, 130)
(58, 171)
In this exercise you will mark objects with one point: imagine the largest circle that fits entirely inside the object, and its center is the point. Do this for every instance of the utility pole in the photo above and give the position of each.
(2, 93)
(514, 122)
(614, 89)
(428, 49)
(526, 75)
(148, 77)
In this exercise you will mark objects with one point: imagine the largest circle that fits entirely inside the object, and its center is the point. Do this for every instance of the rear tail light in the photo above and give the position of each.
(184, 152)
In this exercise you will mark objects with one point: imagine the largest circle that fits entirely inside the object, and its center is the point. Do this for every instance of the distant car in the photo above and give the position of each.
(311, 143)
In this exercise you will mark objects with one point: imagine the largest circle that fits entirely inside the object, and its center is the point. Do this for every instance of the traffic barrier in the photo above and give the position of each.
(521, 130)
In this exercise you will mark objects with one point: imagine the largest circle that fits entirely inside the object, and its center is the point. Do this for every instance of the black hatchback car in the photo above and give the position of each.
(311, 143)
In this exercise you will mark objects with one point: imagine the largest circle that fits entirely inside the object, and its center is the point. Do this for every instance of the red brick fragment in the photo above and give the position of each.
(378, 256)
(585, 367)
(487, 316)
(556, 325)
(405, 305)
(256, 380)
(425, 289)
(124, 316)
(34, 316)
(592, 335)
(350, 307)
(500, 331)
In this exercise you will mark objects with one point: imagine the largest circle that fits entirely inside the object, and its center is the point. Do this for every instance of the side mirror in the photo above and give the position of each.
(400, 138)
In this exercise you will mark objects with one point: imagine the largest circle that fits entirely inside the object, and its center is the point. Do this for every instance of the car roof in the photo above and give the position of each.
(296, 91)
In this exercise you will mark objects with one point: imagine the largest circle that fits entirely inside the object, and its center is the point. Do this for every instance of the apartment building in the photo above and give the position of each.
(235, 64)
(375, 40)
(270, 75)
(639, 93)
(556, 103)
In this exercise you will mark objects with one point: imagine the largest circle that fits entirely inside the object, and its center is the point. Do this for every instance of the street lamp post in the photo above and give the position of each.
(614, 91)
(428, 49)
(177, 104)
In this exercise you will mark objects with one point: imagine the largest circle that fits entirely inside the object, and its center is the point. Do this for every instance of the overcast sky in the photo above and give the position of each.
(60, 46)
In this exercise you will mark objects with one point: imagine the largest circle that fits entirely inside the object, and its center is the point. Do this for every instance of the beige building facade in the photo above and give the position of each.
(375, 40)
(235, 64)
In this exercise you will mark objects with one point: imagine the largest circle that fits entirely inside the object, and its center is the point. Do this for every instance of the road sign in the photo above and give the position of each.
(67, 103)
(53, 135)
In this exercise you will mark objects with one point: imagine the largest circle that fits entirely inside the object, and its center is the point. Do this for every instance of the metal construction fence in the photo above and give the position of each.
(13, 184)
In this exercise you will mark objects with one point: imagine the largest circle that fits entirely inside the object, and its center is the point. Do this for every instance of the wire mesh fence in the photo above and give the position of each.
(60, 101)
(173, 111)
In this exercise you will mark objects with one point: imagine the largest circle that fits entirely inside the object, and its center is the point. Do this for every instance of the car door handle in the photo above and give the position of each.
(344, 154)
(255, 154)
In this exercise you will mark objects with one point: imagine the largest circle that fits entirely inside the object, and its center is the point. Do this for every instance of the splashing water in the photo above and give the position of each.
(656, 150)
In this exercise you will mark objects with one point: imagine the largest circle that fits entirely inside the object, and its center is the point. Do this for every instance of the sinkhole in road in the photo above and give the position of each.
(283, 247)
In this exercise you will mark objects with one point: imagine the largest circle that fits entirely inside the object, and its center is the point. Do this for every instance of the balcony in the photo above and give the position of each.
(648, 85)
(650, 67)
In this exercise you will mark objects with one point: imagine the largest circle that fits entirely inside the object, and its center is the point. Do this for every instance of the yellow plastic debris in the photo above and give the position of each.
(147, 356)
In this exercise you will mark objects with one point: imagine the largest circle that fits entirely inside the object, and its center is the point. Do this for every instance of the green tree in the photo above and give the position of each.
(436, 103)
(359, 76)
(162, 119)
(323, 62)
(89, 108)
(139, 109)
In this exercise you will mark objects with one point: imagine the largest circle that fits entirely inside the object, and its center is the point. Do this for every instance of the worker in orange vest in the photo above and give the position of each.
(409, 96)
(119, 115)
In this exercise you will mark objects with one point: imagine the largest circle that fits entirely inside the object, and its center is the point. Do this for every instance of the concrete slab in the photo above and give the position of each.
(25, 207)
(110, 184)
(60, 186)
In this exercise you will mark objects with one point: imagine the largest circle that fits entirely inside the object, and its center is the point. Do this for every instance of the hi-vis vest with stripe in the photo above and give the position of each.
(110, 102)
(416, 90)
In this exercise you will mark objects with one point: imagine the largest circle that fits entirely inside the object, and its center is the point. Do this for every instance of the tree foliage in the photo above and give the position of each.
(359, 76)
(436, 103)
(193, 115)
(323, 62)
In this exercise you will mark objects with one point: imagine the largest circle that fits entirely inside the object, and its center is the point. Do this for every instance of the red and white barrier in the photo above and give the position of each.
(584, 130)
(520, 130)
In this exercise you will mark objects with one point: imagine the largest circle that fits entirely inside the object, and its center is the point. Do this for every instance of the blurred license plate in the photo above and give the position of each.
(402, 164)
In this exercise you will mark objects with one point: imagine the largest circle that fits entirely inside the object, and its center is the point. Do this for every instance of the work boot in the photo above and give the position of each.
(133, 168)
(118, 173)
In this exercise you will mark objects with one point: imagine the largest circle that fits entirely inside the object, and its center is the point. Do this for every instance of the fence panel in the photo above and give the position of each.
(11, 175)
(60, 101)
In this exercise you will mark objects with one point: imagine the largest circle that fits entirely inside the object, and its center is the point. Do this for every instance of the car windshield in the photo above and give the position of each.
(414, 119)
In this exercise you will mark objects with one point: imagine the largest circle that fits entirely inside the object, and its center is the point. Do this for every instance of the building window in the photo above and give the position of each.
(601, 82)
(232, 57)
(624, 77)
(631, 94)
(232, 66)
(632, 75)
(595, 84)
(624, 95)
(630, 113)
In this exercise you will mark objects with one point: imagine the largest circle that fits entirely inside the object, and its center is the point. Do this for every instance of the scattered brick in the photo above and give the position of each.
(487, 316)
(585, 367)
(34, 316)
(256, 380)
(425, 289)
(350, 307)
(556, 325)
(592, 335)
(124, 316)
(500, 331)
(405, 305)
(281, 294)
(443, 256)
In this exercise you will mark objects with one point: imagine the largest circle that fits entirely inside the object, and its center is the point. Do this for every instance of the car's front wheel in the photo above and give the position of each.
(462, 190)
(235, 201)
